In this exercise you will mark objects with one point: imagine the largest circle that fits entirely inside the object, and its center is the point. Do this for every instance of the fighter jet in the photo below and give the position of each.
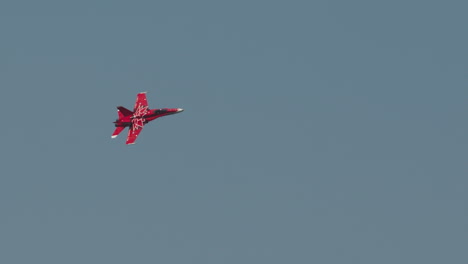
(137, 118)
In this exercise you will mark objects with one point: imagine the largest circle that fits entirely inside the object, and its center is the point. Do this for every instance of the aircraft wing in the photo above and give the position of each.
(141, 104)
(133, 133)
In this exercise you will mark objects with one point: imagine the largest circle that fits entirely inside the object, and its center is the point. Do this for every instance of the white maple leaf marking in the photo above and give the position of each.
(140, 111)
(137, 119)
(137, 123)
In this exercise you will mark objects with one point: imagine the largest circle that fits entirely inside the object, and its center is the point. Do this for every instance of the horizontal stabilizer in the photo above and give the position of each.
(117, 131)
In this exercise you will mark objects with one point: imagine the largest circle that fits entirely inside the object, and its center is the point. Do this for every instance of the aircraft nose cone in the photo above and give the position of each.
(179, 110)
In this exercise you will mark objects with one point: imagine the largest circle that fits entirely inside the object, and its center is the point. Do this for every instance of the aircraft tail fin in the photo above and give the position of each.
(123, 112)
(117, 131)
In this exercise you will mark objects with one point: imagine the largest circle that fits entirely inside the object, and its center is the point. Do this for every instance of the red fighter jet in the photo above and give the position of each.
(140, 116)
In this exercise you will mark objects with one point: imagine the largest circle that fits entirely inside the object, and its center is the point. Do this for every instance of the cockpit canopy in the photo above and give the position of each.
(160, 111)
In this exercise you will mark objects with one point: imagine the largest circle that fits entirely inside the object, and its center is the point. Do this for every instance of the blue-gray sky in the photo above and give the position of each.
(314, 132)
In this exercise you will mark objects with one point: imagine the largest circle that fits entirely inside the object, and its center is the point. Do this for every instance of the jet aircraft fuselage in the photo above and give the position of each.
(151, 115)
(137, 118)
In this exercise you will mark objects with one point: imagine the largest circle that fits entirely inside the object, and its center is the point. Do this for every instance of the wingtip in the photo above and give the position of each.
(114, 136)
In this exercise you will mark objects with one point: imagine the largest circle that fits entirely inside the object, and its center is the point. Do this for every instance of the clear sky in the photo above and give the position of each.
(314, 132)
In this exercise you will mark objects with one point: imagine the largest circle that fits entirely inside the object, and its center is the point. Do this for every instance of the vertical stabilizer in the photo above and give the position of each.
(123, 112)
